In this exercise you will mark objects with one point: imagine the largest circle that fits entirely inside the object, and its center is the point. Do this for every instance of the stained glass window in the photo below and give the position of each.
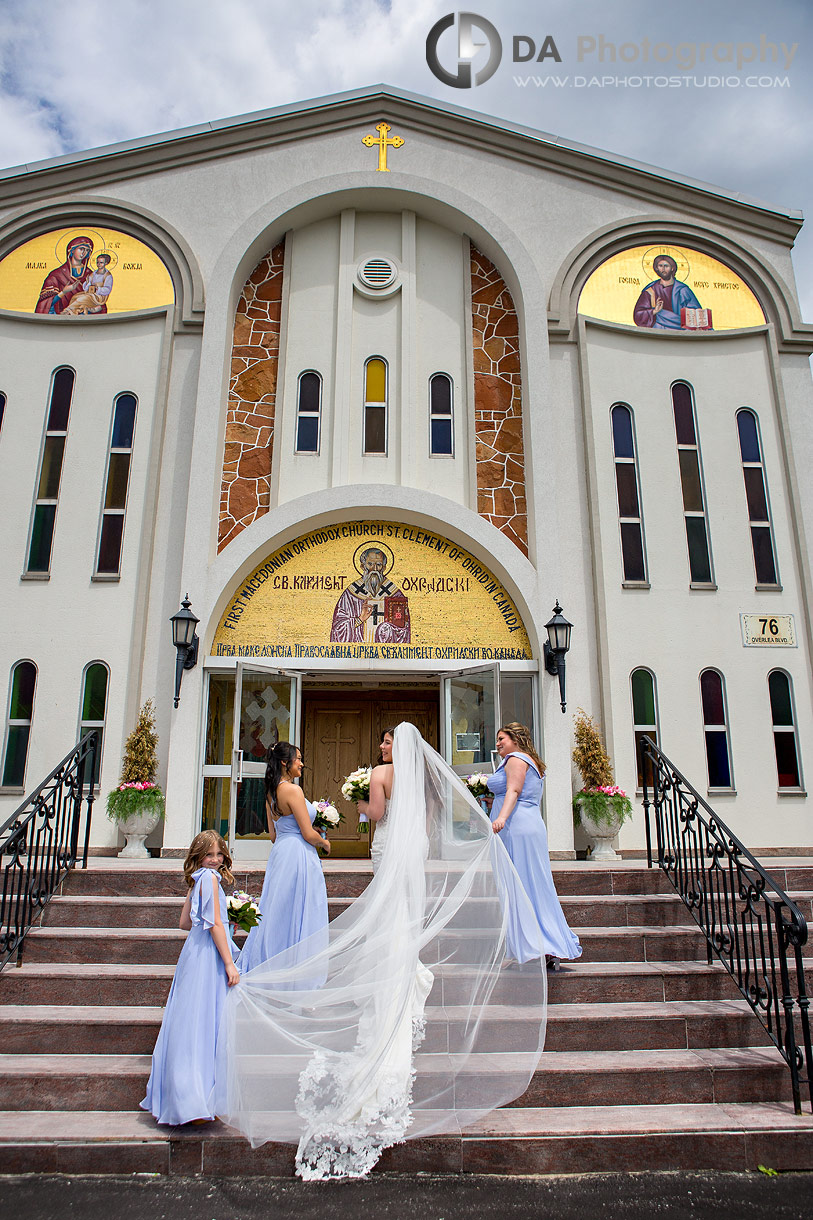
(50, 472)
(691, 482)
(18, 724)
(756, 498)
(375, 406)
(117, 480)
(633, 555)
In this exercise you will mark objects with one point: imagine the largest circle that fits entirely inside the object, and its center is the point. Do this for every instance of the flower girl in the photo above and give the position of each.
(183, 1062)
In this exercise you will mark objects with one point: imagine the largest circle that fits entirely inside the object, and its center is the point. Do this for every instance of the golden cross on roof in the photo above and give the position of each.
(382, 142)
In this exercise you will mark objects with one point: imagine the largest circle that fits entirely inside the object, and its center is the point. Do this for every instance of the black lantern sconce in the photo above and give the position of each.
(556, 645)
(186, 642)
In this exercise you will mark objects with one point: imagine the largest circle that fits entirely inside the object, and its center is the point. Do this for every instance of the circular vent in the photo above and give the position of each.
(377, 273)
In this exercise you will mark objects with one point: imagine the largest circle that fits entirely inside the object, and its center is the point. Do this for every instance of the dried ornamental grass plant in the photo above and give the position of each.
(137, 790)
(600, 796)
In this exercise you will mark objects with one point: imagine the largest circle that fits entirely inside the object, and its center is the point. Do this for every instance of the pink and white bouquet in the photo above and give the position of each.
(244, 911)
(327, 817)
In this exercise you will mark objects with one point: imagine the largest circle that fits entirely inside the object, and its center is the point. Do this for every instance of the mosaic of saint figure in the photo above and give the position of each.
(661, 301)
(372, 610)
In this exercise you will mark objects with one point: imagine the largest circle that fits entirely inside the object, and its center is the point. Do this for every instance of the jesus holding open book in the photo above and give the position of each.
(372, 610)
(668, 303)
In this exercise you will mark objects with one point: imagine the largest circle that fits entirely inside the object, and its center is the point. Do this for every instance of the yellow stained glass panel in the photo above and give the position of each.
(376, 383)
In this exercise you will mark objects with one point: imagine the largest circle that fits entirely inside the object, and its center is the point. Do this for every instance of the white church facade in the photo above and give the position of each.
(376, 381)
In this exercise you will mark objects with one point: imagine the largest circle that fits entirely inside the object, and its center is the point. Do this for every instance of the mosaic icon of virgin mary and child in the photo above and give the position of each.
(372, 610)
(73, 287)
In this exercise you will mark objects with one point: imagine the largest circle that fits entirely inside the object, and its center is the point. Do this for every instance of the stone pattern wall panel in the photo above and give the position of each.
(245, 487)
(498, 403)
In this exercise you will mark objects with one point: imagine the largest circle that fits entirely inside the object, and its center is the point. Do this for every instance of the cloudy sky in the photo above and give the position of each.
(75, 76)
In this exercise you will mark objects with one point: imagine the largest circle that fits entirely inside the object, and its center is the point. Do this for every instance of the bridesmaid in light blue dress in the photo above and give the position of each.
(183, 1062)
(517, 786)
(294, 898)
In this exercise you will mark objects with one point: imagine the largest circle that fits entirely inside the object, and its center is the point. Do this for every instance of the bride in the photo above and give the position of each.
(406, 1037)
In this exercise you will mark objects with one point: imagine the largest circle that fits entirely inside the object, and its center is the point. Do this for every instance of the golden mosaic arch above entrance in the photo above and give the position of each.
(372, 589)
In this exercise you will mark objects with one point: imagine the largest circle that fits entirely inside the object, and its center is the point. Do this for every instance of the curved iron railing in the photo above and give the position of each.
(41, 841)
(749, 922)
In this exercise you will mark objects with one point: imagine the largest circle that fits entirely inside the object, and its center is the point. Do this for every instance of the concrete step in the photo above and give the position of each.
(662, 1077)
(695, 1024)
(146, 881)
(611, 911)
(578, 982)
(163, 945)
(578, 1139)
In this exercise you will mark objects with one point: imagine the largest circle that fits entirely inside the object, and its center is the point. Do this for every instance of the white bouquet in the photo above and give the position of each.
(477, 785)
(356, 787)
(327, 816)
(244, 911)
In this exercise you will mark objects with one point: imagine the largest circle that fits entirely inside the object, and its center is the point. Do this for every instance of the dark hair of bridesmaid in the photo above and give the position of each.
(277, 761)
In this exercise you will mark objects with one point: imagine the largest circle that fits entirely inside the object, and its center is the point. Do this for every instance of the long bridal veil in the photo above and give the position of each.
(402, 1020)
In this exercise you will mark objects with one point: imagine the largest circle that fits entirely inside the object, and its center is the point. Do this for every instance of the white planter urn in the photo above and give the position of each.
(600, 835)
(135, 829)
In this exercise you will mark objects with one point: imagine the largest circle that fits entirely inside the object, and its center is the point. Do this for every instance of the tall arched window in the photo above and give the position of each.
(785, 737)
(308, 412)
(50, 472)
(627, 487)
(691, 482)
(441, 419)
(644, 714)
(375, 405)
(756, 497)
(117, 481)
(93, 709)
(715, 728)
(18, 723)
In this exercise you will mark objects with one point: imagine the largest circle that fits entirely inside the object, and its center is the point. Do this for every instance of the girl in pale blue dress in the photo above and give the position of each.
(183, 1062)
(294, 898)
(517, 786)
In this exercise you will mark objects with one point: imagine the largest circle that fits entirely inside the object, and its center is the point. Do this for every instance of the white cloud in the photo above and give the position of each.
(76, 76)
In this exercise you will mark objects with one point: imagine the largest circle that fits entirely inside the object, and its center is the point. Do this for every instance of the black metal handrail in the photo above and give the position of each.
(40, 842)
(749, 922)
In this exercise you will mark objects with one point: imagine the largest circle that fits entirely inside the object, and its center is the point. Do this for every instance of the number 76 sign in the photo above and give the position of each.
(761, 629)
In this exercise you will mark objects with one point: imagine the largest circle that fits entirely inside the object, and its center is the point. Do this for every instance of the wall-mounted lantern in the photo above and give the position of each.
(186, 642)
(556, 645)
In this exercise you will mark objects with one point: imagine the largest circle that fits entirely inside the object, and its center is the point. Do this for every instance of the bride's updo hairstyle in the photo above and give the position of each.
(277, 760)
(520, 734)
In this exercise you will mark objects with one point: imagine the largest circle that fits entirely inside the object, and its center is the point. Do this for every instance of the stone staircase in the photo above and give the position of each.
(651, 1060)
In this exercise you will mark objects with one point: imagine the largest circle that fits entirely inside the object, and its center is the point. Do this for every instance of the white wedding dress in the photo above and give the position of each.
(380, 838)
(404, 1037)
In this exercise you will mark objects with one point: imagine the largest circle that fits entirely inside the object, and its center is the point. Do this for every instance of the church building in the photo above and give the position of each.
(377, 382)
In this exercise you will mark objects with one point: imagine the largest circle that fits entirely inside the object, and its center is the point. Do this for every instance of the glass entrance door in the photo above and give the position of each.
(249, 711)
(471, 716)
